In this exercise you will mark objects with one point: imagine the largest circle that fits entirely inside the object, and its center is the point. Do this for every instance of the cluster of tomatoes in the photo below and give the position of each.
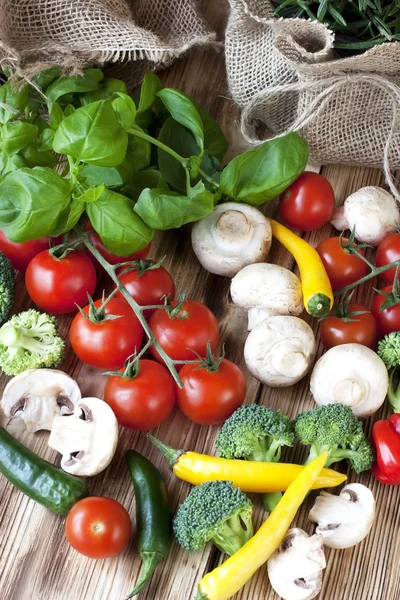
(308, 204)
(105, 334)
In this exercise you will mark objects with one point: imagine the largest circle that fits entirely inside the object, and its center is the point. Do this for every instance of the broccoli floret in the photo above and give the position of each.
(7, 287)
(216, 512)
(255, 432)
(29, 340)
(336, 429)
(389, 351)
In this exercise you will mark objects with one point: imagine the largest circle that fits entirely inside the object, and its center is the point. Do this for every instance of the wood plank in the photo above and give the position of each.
(36, 561)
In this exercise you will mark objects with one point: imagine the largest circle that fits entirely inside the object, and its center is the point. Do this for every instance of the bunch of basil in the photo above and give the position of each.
(75, 145)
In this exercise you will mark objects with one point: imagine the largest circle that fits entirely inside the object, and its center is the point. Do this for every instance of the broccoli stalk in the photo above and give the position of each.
(216, 512)
(7, 287)
(334, 428)
(29, 340)
(258, 433)
(389, 351)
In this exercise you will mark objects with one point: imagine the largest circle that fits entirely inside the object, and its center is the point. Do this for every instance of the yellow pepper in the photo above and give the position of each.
(249, 476)
(317, 289)
(227, 579)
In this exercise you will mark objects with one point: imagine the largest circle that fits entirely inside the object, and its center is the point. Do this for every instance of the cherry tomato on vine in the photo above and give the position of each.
(209, 397)
(185, 332)
(144, 400)
(361, 329)
(58, 285)
(98, 527)
(387, 252)
(342, 268)
(103, 342)
(147, 285)
(308, 203)
(388, 320)
(22, 254)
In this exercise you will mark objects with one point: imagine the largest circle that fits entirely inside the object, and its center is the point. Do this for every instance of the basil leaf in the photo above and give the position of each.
(125, 109)
(121, 230)
(138, 155)
(45, 141)
(31, 203)
(107, 176)
(167, 210)
(69, 85)
(17, 135)
(10, 163)
(46, 77)
(262, 174)
(92, 134)
(150, 86)
(105, 91)
(56, 116)
(76, 210)
(91, 195)
(215, 143)
(33, 157)
(12, 102)
(145, 179)
(184, 112)
(69, 110)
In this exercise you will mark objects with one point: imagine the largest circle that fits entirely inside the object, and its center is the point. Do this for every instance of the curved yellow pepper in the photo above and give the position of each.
(227, 579)
(317, 289)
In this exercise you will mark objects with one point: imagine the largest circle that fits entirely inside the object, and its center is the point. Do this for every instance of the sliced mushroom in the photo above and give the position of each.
(266, 290)
(372, 211)
(280, 350)
(295, 568)
(38, 395)
(232, 236)
(87, 439)
(344, 520)
(352, 375)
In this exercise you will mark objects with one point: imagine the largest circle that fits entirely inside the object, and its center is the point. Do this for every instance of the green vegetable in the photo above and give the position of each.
(389, 351)
(16, 135)
(29, 340)
(256, 432)
(260, 175)
(153, 516)
(37, 478)
(334, 428)
(80, 83)
(216, 512)
(183, 111)
(12, 101)
(7, 287)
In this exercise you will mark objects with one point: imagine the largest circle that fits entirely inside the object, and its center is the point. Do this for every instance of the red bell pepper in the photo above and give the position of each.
(386, 437)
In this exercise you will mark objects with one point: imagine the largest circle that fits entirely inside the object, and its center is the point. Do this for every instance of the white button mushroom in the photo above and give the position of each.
(372, 211)
(232, 236)
(38, 395)
(87, 439)
(344, 520)
(352, 375)
(280, 350)
(266, 290)
(295, 568)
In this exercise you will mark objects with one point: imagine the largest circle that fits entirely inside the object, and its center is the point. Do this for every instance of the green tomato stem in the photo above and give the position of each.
(152, 140)
(374, 273)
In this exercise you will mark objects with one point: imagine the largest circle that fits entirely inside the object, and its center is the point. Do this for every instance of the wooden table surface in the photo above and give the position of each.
(37, 562)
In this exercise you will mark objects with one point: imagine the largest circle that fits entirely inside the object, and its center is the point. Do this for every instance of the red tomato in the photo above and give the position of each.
(186, 333)
(22, 254)
(57, 285)
(144, 401)
(108, 343)
(148, 288)
(98, 527)
(361, 330)
(387, 252)
(210, 397)
(388, 320)
(308, 203)
(342, 268)
(113, 259)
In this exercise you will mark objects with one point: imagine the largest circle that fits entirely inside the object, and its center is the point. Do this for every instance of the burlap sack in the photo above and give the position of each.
(75, 33)
(283, 72)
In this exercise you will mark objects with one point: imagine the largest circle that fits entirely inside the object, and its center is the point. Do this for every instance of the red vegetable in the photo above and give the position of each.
(387, 252)
(113, 259)
(342, 268)
(386, 437)
(22, 254)
(386, 309)
(308, 203)
(346, 327)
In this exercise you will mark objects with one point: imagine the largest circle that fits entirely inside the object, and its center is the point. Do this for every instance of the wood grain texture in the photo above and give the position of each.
(36, 562)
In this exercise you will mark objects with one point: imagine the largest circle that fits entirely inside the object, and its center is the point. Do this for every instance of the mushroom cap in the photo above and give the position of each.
(280, 350)
(295, 568)
(87, 439)
(232, 236)
(38, 395)
(352, 375)
(373, 212)
(269, 287)
(344, 520)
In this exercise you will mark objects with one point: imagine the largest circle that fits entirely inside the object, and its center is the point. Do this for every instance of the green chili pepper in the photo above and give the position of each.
(153, 516)
(37, 478)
